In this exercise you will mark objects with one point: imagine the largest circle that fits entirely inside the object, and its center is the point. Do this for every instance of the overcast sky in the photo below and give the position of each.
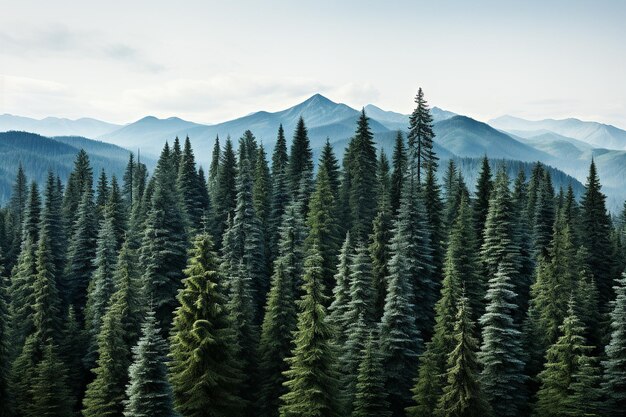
(210, 61)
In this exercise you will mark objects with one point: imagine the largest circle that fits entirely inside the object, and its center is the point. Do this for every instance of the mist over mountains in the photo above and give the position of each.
(567, 145)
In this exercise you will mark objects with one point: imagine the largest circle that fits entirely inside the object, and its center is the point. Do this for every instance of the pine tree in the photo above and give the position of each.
(381, 234)
(164, 246)
(115, 211)
(400, 339)
(323, 227)
(421, 137)
(80, 255)
(225, 193)
(149, 392)
(434, 216)
(101, 287)
(311, 379)
(280, 191)
(544, 216)
(614, 366)
(176, 155)
(484, 188)
(106, 393)
(129, 183)
(261, 198)
(72, 353)
(462, 395)
(596, 228)
(501, 354)
(300, 158)
(79, 183)
(370, 399)
(214, 170)
(275, 343)
(328, 161)
(563, 362)
(102, 195)
(204, 370)
(338, 309)
(460, 272)
(399, 161)
(189, 188)
(360, 167)
(15, 218)
(50, 394)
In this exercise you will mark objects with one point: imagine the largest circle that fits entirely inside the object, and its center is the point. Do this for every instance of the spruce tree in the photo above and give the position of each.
(484, 188)
(596, 228)
(311, 378)
(462, 395)
(360, 167)
(300, 158)
(614, 365)
(189, 188)
(460, 272)
(280, 191)
(149, 392)
(563, 369)
(79, 183)
(115, 211)
(225, 193)
(81, 252)
(399, 162)
(50, 393)
(323, 226)
(328, 161)
(15, 218)
(544, 216)
(214, 169)
(102, 195)
(106, 393)
(421, 137)
(128, 183)
(381, 234)
(370, 399)
(164, 245)
(204, 370)
(5, 351)
(434, 215)
(501, 355)
(339, 307)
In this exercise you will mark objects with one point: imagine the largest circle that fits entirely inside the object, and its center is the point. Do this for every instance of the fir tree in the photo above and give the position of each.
(563, 363)
(484, 188)
(280, 191)
(300, 158)
(614, 366)
(106, 393)
(50, 394)
(596, 227)
(102, 195)
(225, 193)
(79, 183)
(149, 392)
(5, 351)
(462, 395)
(370, 399)
(311, 379)
(434, 216)
(421, 137)
(399, 161)
(15, 218)
(544, 216)
(163, 251)
(500, 354)
(128, 184)
(360, 167)
(116, 212)
(204, 370)
(214, 169)
(323, 227)
(189, 188)
(338, 310)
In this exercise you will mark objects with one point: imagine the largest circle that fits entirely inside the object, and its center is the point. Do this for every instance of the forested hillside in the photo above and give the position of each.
(390, 284)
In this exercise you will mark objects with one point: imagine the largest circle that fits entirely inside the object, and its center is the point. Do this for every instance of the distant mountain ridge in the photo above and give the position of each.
(55, 126)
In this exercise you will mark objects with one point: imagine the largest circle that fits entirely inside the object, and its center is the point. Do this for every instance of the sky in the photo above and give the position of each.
(211, 61)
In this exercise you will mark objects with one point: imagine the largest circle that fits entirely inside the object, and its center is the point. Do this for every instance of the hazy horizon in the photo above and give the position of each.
(209, 62)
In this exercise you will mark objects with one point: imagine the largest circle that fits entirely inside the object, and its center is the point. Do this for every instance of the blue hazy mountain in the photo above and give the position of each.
(54, 126)
(39, 154)
(599, 135)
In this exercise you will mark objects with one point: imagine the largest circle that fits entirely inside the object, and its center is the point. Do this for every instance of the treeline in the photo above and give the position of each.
(263, 287)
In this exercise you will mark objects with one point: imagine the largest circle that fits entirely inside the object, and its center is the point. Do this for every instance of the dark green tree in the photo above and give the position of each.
(50, 393)
(300, 158)
(149, 392)
(190, 188)
(280, 191)
(484, 188)
(399, 162)
(370, 399)
(225, 193)
(204, 370)
(312, 381)
(421, 137)
(614, 365)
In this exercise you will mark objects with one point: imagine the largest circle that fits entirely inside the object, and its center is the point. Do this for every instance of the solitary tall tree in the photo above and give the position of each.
(421, 136)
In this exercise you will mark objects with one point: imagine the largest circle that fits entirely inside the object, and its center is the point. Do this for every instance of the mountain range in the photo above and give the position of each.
(567, 145)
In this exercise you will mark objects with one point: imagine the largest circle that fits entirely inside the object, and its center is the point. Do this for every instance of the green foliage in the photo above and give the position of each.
(399, 161)
(50, 394)
(462, 395)
(149, 392)
(190, 188)
(421, 137)
(614, 366)
(204, 370)
(300, 158)
(484, 188)
(225, 194)
(312, 382)
(370, 399)
(280, 191)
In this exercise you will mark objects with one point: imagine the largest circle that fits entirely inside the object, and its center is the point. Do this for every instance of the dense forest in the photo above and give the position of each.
(276, 285)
